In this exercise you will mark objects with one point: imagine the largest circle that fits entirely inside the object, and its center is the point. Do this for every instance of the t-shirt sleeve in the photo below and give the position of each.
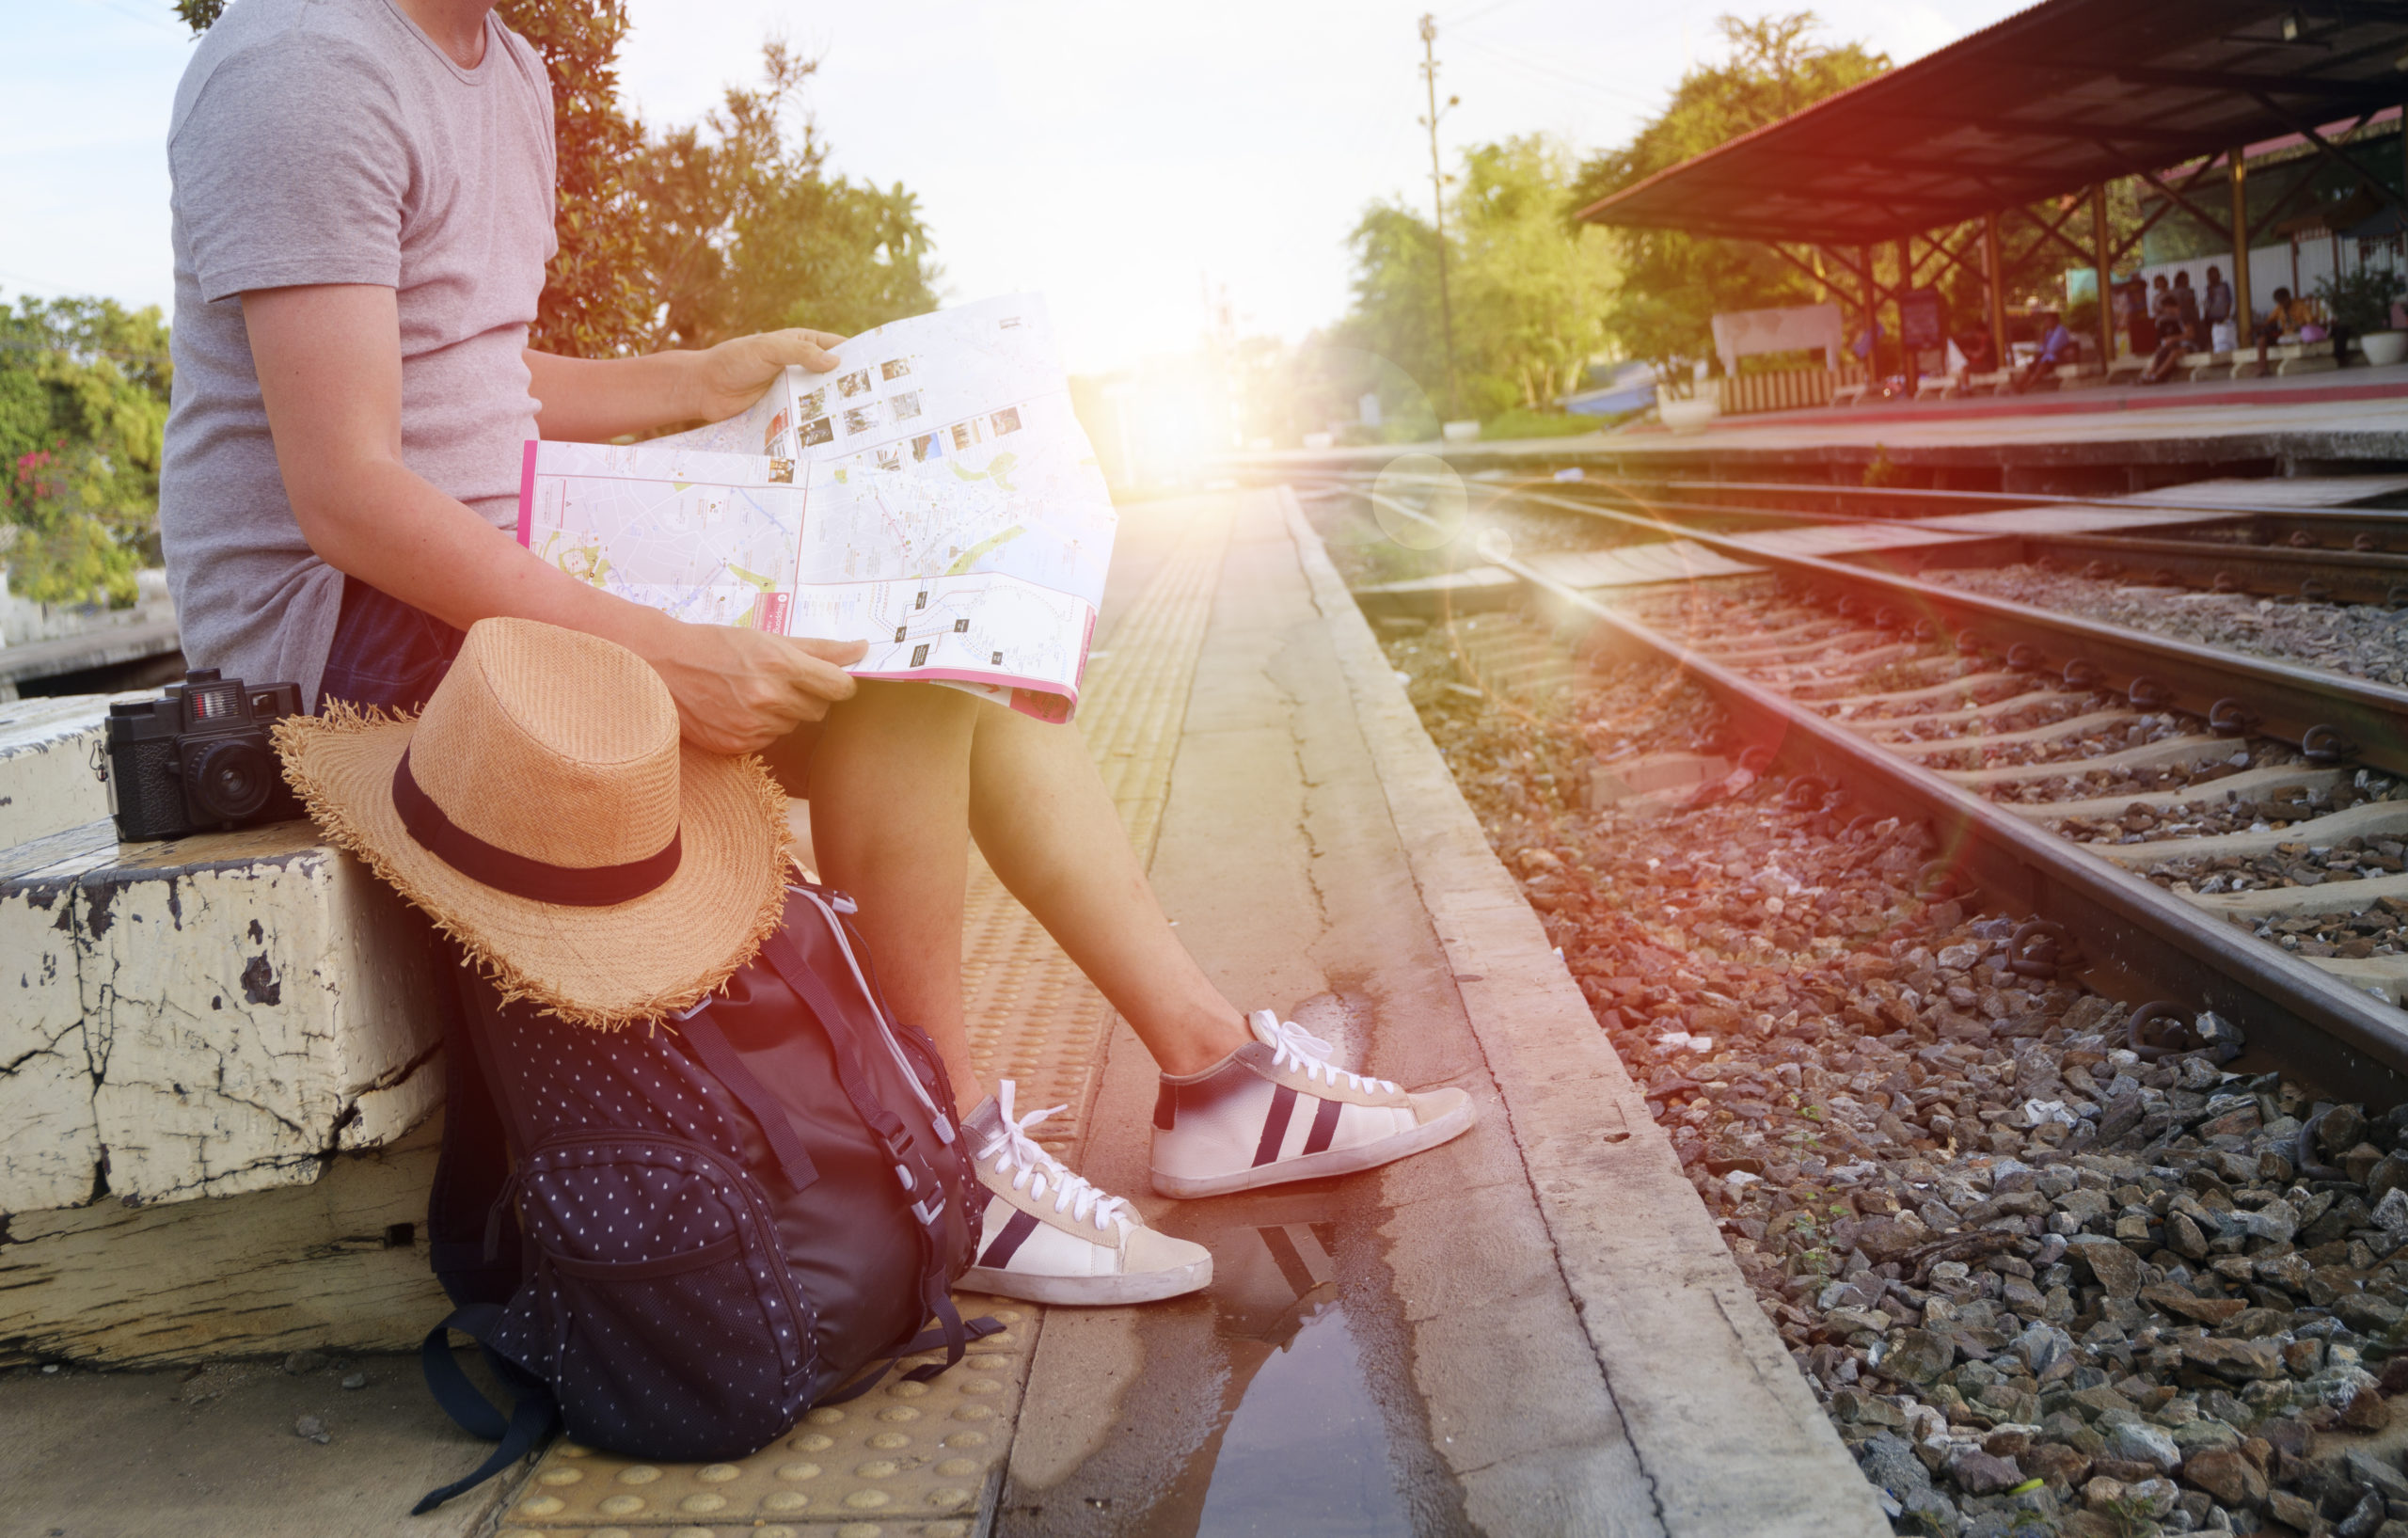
(292, 168)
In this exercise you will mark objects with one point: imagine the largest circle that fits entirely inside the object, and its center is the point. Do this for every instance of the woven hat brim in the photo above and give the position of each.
(604, 967)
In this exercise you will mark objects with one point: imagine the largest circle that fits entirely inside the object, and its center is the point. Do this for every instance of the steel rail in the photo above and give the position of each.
(2142, 943)
(2380, 535)
(2328, 715)
(2028, 498)
(2369, 577)
(2362, 534)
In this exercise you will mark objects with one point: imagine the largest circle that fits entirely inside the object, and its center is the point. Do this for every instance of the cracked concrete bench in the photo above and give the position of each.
(207, 1017)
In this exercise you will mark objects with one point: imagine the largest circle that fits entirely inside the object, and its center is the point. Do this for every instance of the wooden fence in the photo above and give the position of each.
(1793, 390)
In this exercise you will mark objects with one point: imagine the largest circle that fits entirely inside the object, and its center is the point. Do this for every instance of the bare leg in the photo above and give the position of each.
(901, 775)
(889, 780)
(1047, 826)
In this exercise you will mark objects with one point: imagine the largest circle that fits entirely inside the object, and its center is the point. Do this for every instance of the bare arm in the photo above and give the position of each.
(330, 365)
(593, 398)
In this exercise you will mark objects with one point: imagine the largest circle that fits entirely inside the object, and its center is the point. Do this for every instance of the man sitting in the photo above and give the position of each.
(2288, 318)
(2056, 348)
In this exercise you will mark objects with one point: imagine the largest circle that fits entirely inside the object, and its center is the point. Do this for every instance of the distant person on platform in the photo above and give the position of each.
(2131, 313)
(2173, 339)
(2288, 318)
(2187, 298)
(1975, 347)
(2215, 307)
(2056, 349)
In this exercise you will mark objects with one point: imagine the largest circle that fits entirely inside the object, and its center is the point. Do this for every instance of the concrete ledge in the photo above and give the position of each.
(47, 752)
(203, 1015)
(96, 648)
(1662, 1303)
(340, 1265)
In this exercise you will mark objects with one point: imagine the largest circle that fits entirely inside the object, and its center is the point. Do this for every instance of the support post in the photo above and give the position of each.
(1906, 362)
(2104, 251)
(1994, 265)
(1872, 315)
(2243, 320)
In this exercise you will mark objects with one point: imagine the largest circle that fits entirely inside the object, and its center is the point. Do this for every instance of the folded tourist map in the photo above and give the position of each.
(933, 496)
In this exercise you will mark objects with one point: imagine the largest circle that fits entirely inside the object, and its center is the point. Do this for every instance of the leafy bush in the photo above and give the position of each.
(1520, 424)
(2360, 302)
(83, 405)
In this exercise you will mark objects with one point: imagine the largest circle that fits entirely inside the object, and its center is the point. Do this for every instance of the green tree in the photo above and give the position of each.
(747, 232)
(690, 235)
(594, 302)
(83, 402)
(1670, 284)
(1533, 294)
(1530, 290)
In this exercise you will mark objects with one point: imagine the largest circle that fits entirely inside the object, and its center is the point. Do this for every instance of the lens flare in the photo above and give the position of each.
(1430, 486)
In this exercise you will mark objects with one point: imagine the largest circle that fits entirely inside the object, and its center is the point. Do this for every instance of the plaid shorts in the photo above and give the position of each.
(385, 653)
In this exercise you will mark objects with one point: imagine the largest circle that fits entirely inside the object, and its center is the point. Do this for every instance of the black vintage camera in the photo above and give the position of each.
(198, 757)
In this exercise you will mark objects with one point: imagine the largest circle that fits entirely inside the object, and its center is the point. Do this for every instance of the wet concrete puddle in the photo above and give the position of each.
(1279, 1402)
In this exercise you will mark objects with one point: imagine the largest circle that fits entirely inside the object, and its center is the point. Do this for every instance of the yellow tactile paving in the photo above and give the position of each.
(926, 1459)
(916, 1458)
(1034, 1018)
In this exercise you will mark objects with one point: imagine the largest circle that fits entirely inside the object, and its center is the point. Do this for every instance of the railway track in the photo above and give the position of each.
(1927, 935)
(2021, 736)
(2327, 555)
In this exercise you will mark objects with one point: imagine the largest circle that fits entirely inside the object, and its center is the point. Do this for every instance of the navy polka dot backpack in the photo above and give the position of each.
(718, 1223)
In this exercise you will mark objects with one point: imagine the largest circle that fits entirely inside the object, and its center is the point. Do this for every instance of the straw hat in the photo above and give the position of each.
(542, 809)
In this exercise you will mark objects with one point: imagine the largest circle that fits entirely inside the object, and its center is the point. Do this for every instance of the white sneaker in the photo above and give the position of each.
(1278, 1110)
(1050, 1236)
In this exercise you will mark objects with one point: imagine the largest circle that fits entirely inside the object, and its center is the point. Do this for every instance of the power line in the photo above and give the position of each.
(1517, 61)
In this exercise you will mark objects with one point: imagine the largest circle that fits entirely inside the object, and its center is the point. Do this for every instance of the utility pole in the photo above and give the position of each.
(1438, 205)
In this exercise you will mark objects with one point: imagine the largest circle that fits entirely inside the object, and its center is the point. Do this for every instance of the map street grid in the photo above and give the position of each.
(933, 496)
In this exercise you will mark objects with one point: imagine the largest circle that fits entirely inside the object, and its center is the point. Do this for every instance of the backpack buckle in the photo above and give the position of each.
(928, 1211)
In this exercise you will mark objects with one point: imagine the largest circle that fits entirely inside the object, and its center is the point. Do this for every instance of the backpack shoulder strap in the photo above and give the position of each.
(475, 1259)
(531, 1420)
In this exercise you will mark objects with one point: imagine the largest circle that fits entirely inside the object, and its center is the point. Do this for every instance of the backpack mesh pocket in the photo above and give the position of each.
(659, 1309)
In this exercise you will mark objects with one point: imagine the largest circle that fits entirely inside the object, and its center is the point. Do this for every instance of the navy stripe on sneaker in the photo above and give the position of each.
(1325, 1126)
(1007, 1243)
(1275, 1126)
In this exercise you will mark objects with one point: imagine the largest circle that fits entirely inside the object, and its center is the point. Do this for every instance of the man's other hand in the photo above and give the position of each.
(740, 691)
(733, 375)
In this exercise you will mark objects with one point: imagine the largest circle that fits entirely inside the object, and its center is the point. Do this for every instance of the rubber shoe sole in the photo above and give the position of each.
(1319, 1167)
(1090, 1292)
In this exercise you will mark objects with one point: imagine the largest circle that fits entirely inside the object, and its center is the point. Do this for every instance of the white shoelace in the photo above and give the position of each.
(1040, 1171)
(1293, 1044)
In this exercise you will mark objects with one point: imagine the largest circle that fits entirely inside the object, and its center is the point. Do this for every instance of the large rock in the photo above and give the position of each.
(2235, 1361)
(2119, 1269)
(2228, 1474)
(1979, 1473)
(1918, 1356)
(2137, 1441)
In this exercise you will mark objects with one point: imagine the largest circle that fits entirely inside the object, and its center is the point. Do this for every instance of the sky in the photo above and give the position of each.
(1134, 163)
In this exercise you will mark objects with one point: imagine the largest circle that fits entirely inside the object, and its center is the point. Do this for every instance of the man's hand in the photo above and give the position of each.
(740, 691)
(727, 378)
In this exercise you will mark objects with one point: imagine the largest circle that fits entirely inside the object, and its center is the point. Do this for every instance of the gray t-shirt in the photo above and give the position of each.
(331, 141)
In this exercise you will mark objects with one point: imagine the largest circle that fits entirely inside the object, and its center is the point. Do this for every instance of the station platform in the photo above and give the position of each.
(1534, 1330)
(2104, 439)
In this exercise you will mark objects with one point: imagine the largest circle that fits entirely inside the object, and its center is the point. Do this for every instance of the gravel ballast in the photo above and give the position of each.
(2366, 641)
(2039, 1284)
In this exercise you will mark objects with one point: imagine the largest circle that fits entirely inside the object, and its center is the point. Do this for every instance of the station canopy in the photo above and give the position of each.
(2049, 102)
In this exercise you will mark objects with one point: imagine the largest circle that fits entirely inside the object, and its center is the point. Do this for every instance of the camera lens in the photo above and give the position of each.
(229, 780)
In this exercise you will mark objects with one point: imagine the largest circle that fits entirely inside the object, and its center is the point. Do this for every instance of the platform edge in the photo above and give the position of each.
(1764, 1461)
